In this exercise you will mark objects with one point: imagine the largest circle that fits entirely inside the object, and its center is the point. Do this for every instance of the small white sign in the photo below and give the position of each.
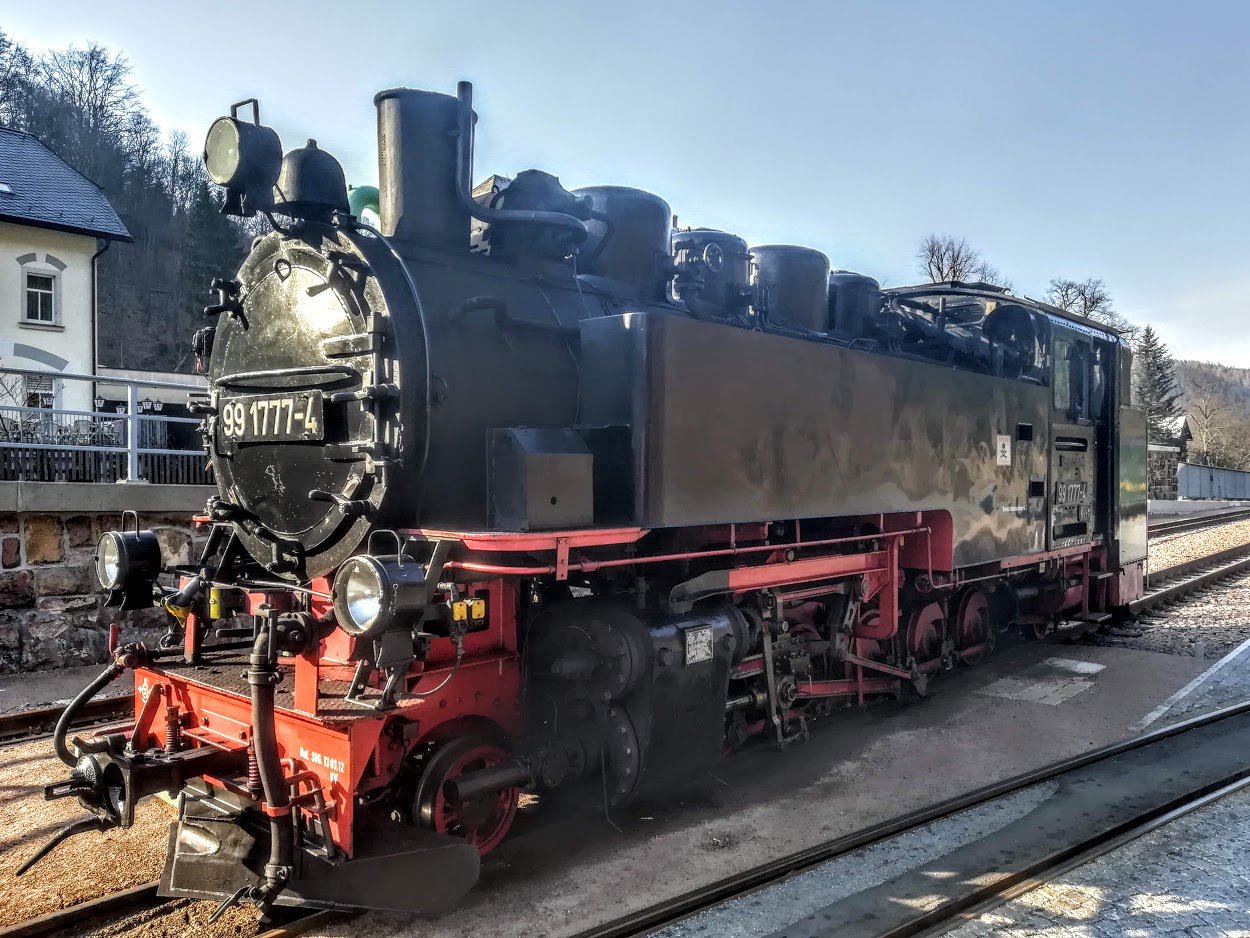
(1004, 449)
(698, 645)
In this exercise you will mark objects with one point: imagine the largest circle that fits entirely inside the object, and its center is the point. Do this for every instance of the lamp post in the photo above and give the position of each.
(99, 403)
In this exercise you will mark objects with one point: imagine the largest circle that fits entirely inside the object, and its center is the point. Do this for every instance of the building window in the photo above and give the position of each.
(41, 298)
(40, 391)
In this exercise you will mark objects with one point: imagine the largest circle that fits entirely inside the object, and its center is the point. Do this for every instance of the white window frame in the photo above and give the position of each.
(55, 298)
(31, 385)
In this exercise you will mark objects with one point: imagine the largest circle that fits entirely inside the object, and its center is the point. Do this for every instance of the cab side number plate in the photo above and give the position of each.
(274, 418)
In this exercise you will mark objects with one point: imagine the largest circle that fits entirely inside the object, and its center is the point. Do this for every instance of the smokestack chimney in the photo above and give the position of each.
(417, 132)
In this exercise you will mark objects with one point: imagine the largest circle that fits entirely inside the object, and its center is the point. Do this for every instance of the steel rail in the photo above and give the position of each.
(31, 724)
(127, 901)
(678, 908)
(53, 922)
(1085, 853)
(1205, 572)
(1196, 523)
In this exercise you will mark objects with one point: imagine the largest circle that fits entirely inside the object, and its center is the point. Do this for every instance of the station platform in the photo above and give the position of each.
(1188, 878)
(1158, 508)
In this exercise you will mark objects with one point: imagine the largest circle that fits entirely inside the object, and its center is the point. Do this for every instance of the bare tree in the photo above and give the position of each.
(1208, 413)
(95, 83)
(1091, 299)
(944, 258)
(16, 69)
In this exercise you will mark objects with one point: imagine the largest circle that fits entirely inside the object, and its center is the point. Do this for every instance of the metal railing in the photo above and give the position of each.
(101, 437)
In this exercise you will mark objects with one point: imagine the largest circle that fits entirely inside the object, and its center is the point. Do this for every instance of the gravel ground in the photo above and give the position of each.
(181, 918)
(1169, 551)
(86, 866)
(1218, 617)
(90, 865)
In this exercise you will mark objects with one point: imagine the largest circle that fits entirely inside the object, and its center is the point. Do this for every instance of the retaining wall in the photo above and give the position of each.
(51, 612)
(1161, 467)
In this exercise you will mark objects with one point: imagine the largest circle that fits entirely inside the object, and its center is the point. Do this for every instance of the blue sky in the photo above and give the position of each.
(1105, 138)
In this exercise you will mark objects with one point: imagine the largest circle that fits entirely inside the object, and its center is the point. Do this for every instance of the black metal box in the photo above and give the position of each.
(539, 479)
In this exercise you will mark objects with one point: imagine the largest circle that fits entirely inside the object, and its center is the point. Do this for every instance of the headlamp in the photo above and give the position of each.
(375, 594)
(245, 158)
(127, 564)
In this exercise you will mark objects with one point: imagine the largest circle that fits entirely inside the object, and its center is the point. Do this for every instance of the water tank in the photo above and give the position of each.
(853, 300)
(629, 239)
(793, 284)
(713, 272)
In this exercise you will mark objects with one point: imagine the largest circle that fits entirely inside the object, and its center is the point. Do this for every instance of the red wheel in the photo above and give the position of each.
(482, 821)
(972, 624)
(864, 644)
(924, 633)
(1037, 630)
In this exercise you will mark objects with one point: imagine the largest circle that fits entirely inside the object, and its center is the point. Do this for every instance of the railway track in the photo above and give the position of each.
(1103, 799)
(85, 917)
(31, 724)
(1196, 523)
(1180, 580)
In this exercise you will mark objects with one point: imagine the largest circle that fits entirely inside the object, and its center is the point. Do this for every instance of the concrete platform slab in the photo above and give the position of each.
(1190, 878)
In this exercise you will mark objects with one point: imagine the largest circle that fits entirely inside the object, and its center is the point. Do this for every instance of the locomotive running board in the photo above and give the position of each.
(213, 852)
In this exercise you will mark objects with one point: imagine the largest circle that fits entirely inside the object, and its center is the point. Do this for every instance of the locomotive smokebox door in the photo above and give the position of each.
(539, 479)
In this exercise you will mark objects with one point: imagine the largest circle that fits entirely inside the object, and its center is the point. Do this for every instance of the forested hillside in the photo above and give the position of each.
(1217, 400)
(1232, 384)
(82, 104)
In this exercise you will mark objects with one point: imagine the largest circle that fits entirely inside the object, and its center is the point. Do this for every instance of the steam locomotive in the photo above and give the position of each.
(526, 487)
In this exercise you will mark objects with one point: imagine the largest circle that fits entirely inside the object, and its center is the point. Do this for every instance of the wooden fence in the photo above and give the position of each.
(18, 463)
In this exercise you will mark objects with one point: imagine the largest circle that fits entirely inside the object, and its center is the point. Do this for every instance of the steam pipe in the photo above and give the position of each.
(106, 677)
(262, 675)
(464, 181)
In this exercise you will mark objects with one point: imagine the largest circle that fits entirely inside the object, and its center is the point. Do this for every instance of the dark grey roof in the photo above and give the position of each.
(49, 193)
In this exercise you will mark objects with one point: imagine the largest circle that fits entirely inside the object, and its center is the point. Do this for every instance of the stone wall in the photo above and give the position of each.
(1161, 467)
(51, 610)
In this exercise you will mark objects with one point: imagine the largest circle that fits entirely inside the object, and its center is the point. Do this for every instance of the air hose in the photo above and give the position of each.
(106, 677)
(262, 675)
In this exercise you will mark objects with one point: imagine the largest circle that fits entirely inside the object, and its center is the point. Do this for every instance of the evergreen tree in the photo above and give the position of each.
(212, 247)
(1157, 390)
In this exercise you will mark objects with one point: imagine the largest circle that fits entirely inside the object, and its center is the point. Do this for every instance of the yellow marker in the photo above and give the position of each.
(479, 609)
(460, 611)
(214, 604)
(178, 612)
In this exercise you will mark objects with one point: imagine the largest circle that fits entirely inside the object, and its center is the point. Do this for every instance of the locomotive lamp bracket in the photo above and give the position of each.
(244, 159)
(388, 638)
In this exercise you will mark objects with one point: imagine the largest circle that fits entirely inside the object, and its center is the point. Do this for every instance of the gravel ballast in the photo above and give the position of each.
(1217, 618)
(85, 867)
(1181, 548)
